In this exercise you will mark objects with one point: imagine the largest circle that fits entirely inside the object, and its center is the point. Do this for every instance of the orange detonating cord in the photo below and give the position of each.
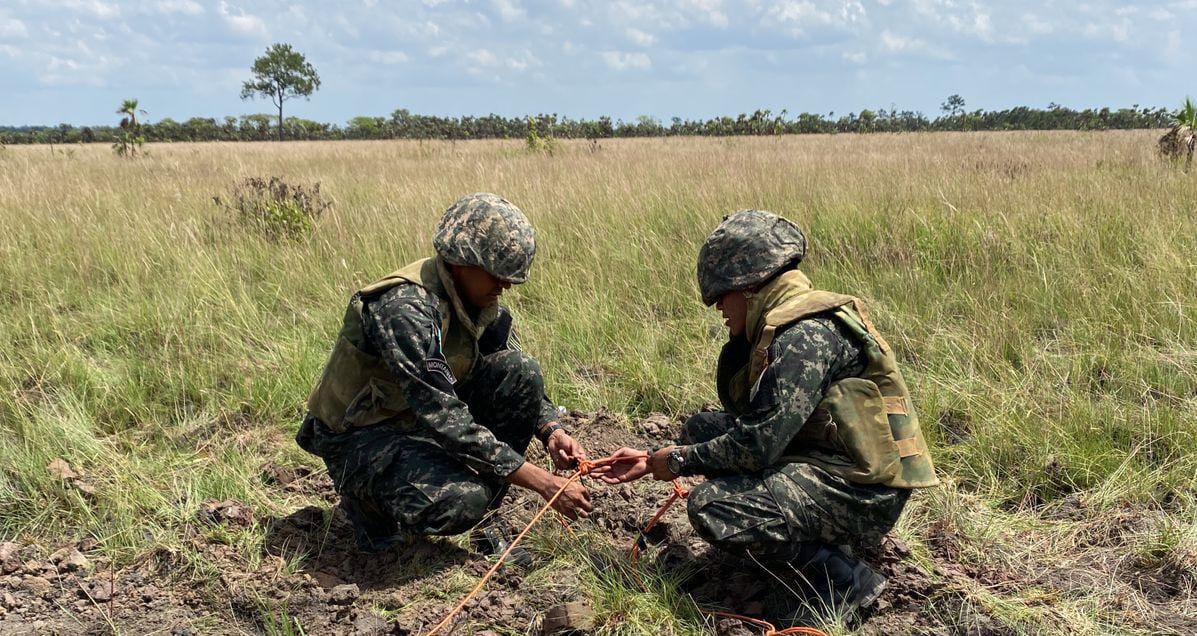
(584, 468)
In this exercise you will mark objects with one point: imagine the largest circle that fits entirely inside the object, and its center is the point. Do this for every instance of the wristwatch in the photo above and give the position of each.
(675, 461)
(545, 433)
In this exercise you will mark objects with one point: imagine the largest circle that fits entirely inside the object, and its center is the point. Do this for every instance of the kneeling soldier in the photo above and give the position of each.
(426, 406)
(819, 444)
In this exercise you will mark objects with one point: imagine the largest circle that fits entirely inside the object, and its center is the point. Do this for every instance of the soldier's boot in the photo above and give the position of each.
(373, 533)
(840, 583)
(491, 537)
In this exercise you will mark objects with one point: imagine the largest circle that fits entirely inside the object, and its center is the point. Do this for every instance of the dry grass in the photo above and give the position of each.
(1039, 286)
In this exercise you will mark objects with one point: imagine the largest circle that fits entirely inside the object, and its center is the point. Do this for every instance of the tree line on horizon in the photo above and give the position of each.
(403, 124)
(283, 74)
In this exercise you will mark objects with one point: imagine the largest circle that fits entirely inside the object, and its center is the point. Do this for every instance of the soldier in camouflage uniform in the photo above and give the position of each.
(427, 405)
(818, 444)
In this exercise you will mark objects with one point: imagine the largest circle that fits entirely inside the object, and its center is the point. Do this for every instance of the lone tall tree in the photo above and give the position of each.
(129, 139)
(281, 74)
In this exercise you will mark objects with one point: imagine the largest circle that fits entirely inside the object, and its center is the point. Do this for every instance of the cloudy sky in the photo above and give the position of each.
(74, 60)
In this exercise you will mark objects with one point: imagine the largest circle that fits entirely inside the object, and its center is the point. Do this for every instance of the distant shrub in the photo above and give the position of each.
(275, 208)
(537, 143)
(1179, 143)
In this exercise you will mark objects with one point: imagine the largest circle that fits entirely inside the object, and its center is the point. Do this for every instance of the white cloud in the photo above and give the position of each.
(711, 10)
(509, 10)
(640, 38)
(242, 23)
(95, 8)
(855, 57)
(387, 57)
(483, 57)
(185, 7)
(895, 43)
(1037, 25)
(12, 28)
(622, 61)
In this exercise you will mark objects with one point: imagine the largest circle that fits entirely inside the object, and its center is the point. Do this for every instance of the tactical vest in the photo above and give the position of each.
(357, 388)
(865, 429)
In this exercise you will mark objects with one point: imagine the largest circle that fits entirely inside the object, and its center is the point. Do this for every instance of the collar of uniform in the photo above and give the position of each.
(475, 326)
(776, 292)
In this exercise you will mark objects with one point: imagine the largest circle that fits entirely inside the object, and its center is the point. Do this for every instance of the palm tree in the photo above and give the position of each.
(1182, 138)
(130, 138)
(129, 110)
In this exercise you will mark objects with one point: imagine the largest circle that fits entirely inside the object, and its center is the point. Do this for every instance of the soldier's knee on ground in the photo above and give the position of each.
(703, 427)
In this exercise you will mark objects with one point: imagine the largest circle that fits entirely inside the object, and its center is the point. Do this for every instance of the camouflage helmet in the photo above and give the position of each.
(487, 231)
(747, 249)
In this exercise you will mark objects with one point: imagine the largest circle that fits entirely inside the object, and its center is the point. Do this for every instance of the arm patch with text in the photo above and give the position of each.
(440, 374)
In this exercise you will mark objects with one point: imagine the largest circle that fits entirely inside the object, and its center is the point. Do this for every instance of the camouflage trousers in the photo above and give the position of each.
(773, 513)
(391, 481)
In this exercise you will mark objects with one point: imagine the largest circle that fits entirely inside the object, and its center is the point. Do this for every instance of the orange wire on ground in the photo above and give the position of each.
(584, 468)
(634, 555)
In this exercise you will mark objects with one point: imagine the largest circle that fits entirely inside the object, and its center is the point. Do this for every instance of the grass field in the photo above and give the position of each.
(1040, 289)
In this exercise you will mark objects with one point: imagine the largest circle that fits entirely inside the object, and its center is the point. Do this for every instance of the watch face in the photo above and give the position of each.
(674, 462)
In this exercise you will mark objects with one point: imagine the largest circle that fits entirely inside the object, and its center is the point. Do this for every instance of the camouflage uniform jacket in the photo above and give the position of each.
(804, 359)
(402, 326)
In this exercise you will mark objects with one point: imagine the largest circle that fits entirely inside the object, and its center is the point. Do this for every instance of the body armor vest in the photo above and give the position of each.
(357, 388)
(865, 429)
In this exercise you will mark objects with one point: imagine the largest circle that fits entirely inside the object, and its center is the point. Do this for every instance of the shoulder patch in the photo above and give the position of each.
(439, 371)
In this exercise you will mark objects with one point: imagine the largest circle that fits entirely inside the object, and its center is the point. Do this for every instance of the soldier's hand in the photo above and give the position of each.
(632, 465)
(574, 501)
(564, 449)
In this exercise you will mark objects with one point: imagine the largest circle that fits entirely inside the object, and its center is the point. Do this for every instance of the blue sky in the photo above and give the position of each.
(74, 60)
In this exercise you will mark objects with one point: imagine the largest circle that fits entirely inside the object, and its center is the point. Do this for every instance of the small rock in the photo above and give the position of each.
(70, 560)
(344, 594)
(84, 486)
(577, 616)
(896, 547)
(87, 544)
(370, 625)
(37, 586)
(732, 627)
(61, 469)
(101, 591)
(230, 512)
(326, 580)
(9, 601)
(657, 425)
(10, 558)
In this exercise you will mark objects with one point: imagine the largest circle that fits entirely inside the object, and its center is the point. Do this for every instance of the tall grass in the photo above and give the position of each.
(1039, 287)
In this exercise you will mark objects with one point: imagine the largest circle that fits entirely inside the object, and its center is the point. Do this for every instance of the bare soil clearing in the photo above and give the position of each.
(309, 573)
